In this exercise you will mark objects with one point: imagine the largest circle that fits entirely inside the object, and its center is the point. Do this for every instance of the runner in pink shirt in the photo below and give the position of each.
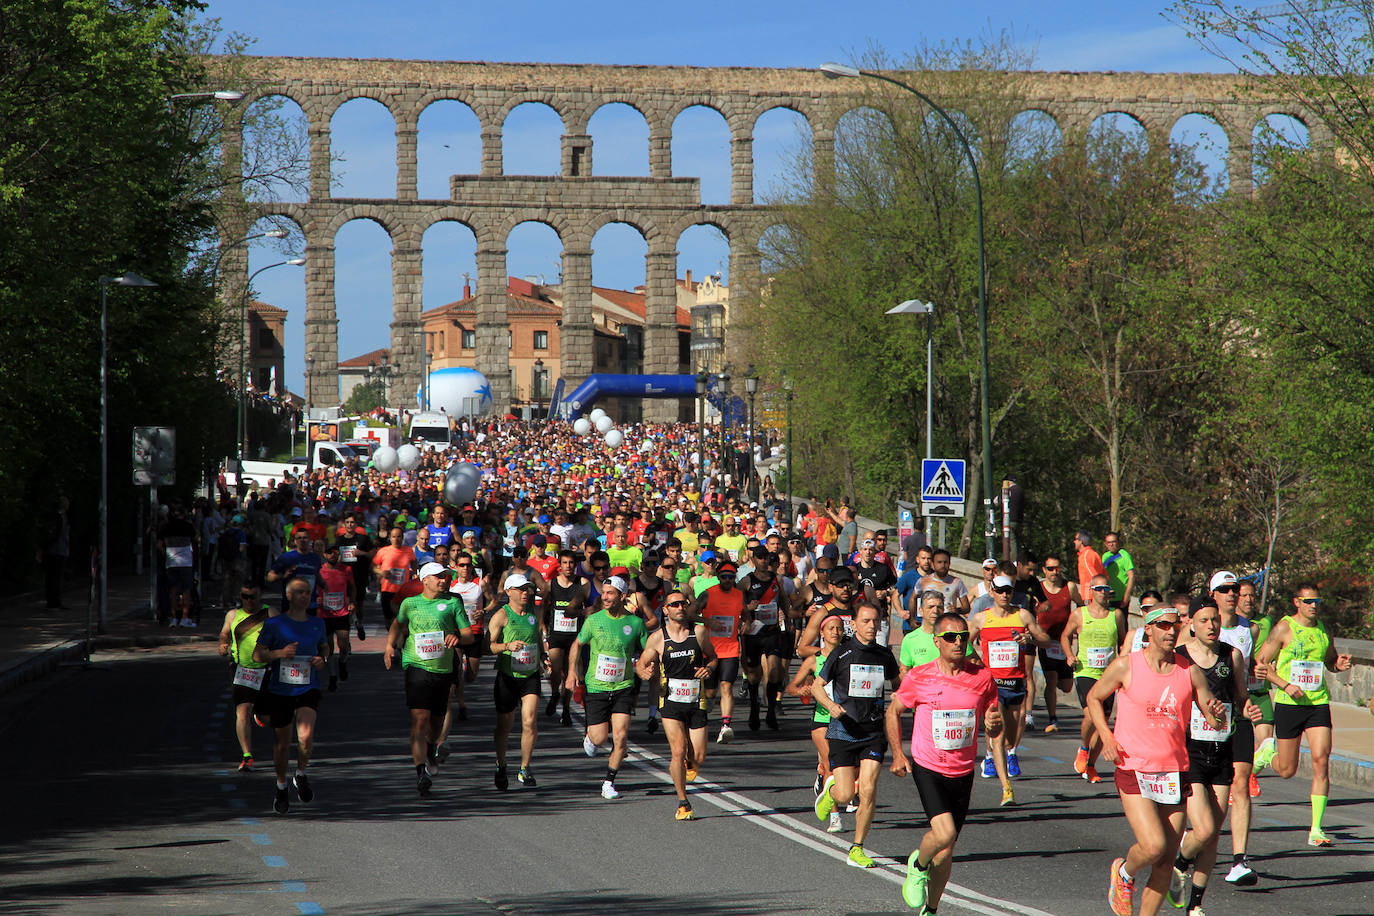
(948, 697)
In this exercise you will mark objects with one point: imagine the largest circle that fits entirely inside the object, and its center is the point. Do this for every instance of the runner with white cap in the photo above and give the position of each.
(611, 636)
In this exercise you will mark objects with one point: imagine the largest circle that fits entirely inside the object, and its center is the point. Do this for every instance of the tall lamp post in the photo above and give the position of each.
(751, 387)
(702, 382)
(538, 387)
(843, 70)
(245, 339)
(791, 466)
(916, 307)
(129, 278)
(723, 380)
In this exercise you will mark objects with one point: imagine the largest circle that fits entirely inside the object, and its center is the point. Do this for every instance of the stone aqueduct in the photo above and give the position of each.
(576, 204)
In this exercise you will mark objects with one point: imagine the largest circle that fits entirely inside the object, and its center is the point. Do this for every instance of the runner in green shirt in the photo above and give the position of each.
(611, 637)
(427, 628)
(517, 635)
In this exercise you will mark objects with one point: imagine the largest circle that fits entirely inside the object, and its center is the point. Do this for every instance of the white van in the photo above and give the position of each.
(430, 429)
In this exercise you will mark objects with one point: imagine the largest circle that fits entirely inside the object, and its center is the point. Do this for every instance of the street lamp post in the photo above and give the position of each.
(702, 382)
(244, 340)
(129, 278)
(791, 467)
(916, 307)
(724, 381)
(538, 386)
(751, 387)
(843, 70)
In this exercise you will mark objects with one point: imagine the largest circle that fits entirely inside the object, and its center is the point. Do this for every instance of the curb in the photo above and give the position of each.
(74, 651)
(1351, 772)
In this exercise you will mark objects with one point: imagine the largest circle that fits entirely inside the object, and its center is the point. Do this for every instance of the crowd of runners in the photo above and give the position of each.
(610, 581)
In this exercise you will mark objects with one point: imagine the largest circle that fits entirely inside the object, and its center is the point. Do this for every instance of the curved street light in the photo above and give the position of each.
(243, 347)
(835, 70)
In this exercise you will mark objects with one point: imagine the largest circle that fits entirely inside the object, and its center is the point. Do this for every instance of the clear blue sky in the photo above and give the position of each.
(1064, 34)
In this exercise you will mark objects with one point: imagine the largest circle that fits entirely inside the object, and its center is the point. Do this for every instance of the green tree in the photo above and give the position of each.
(366, 397)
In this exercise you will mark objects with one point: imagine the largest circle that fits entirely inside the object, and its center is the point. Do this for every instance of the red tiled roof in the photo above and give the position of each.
(262, 308)
(361, 362)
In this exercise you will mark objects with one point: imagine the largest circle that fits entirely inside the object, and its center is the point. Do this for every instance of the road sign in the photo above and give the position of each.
(942, 510)
(942, 481)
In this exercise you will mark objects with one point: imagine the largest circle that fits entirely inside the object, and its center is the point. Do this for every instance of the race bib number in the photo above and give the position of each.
(1164, 788)
(1201, 730)
(610, 669)
(1255, 684)
(722, 627)
(294, 671)
(952, 729)
(429, 645)
(1100, 656)
(249, 677)
(684, 689)
(348, 553)
(1004, 653)
(397, 575)
(522, 660)
(335, 601)
(1056, 652)
(1306, 674)
(564, 624)
(866, 681)
(766, 614)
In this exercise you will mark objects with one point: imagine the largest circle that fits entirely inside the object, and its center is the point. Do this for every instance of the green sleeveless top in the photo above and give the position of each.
(243, 649)
(1097, 639)
(524, 663)
(1303, 662)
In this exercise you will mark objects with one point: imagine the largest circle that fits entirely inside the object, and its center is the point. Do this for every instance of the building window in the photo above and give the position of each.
(469, 340)
(266, 339)
(541, 340)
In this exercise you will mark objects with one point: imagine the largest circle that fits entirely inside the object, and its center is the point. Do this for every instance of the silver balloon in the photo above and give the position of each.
(407, 456)
(597, 414)
(604, 424)
(582, 426)
(385, 459)
(461, 483)
(615, 438)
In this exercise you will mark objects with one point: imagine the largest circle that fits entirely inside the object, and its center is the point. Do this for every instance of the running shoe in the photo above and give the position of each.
(608, 790)
(246, 764)
(282, 803)
(1319, 839)
(824, 803)
(343, 671)
(1052, 727)
(726, 735)
(502, 780)
(914, 887)
(526, 777)
(1254, 786)
(442, 752)
(684, 813)
(836, 824)
(424, 783)
(1241, 874)
(1196, 911)
(1264, 754)
(1080, 761)
(1178, 888)
(587, 747)
(1120, 892)
(860, 859)
(1090, 775)
(189, 624)
(362, 632)
(816, 786)
(432, 755)
(989, 768)
(258, 719)
(1008, 796)
(692, 772)
(651, 726)
(302, 786)
(552, 708)
(1013, 765)
(851, 806)
(1030, 722)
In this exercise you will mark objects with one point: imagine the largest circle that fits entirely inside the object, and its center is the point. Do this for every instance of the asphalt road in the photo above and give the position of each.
(123, 799)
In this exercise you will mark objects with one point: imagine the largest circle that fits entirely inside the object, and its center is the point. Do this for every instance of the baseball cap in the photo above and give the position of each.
(434, 569)
(539, 540)
(617, 583)
(841, 575)
(707, 556)
(1002, 582)
(515, 580)
(990, 563)
(727, 566)
(1224, 577)
(1197, 604)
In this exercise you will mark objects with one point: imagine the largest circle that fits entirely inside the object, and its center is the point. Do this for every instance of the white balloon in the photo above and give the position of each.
(582, 426)
(385, 459)
(597, 414)
(614, 438)
(604, 424)
(460, 391)
(407, 456)
(461, 483)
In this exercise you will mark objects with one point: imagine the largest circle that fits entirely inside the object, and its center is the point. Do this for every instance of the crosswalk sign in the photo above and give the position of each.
(942, 480)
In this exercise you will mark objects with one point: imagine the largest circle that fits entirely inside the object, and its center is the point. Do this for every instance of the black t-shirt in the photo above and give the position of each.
(1027, 593)
(879, 576)
(857, 674)
(349, 547)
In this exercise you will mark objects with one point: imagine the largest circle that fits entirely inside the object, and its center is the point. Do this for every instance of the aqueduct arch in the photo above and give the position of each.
(577, 203)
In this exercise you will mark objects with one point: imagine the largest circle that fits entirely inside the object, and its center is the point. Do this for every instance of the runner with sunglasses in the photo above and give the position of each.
(721, 607)
(1295, 659)
(1060, 598)
(841, 602)
(1158, 689)
(1100, 633)
(1242, 634)
(1005, 633)
(515, 634)
(237, 639)
(948, 697)
(566, 607)
(681, 651)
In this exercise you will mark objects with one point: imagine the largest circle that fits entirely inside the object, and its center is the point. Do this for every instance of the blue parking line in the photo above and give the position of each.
(310, 909)
(249, 821)
(262, 839)
(274, 861)
(293, 887)
(1054, 760)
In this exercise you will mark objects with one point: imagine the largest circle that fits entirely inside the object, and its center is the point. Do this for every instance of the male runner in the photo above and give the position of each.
(1241, 873)
(948, 698)
(1239, 632)
(1295, 658)
(300, 562)
(722, 608)
(293, 645)
(1061, 596)
(237, 639)
(681, 651)
(852, 686)
(427, 628)
(392, 565)
(337, 599)
(1100, 631)
(566, 605)
(767, 605)
(516, 635)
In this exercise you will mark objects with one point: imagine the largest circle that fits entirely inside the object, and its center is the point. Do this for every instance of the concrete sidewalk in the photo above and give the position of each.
(36, 640)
